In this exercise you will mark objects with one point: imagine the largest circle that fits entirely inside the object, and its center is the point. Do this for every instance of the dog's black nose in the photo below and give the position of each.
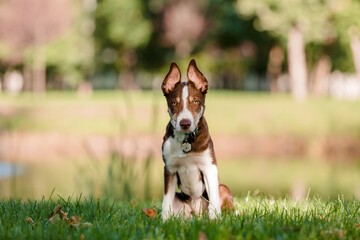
(185, 123)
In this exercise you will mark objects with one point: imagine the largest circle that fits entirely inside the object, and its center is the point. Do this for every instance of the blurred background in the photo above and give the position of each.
(81, 111)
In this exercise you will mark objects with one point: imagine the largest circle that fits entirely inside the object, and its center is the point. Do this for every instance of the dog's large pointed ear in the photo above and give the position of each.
(195, 76)
(171, 79)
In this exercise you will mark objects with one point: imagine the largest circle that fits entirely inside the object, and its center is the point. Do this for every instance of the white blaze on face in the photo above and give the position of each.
(185, 113)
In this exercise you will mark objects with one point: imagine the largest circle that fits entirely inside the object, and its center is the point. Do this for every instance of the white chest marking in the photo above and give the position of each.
(190, 181)
(188, 166)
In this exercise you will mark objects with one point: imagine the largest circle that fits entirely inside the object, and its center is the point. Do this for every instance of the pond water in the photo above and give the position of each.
(273, 178)
(8, 170)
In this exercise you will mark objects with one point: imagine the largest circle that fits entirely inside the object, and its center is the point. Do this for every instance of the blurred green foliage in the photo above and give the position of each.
(108, 39)
(278, 16)
(72, 55)
(121, 27)
(324, 24)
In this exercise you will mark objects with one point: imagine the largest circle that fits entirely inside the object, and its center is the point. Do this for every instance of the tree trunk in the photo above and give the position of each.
(276, 58)
(39, 71)
(127, 80)
(319, 84)
(127, 77)
(27, 77)
(355, 48)
(297, 64)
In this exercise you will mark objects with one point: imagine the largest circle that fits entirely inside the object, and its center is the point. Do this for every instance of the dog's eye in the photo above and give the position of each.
(173, 103)
(196, 101)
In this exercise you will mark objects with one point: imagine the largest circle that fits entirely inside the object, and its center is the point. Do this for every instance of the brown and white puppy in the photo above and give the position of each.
(188, 150)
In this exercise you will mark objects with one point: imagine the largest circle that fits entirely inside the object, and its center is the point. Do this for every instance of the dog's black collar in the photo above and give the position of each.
(191, 136)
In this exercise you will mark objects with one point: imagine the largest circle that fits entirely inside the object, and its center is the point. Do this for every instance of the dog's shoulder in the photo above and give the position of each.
(169, 132)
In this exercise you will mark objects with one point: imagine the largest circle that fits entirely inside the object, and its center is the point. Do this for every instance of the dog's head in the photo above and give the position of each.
(186, 100)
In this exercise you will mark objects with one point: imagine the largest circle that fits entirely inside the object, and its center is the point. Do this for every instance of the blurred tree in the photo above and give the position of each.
(276, 57)
(183, 24)
(346, 20)
(121, 29)
(71, 56)
(26, 25)
(230, 48)
(297, 23)
(210, 30)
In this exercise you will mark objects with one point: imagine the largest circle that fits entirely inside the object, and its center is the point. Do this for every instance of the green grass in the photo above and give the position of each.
(258, 218)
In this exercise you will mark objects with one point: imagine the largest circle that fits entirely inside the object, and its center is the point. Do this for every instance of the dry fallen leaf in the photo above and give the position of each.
(57, 215)
(55, 210)
(202, 236)
(150, 212)
(82, 237)
(75, 221)
(29, 220)
(358, 225)
(54, 219)
(64, 216)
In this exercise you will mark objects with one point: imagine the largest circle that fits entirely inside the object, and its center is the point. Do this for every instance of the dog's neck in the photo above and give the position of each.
(186, 136)
(202, 141)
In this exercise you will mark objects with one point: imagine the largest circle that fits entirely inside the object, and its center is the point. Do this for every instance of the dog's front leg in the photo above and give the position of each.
(170, 181)
(212, 188)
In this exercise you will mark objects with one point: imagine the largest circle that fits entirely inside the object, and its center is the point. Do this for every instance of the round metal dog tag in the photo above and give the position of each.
(186, 147)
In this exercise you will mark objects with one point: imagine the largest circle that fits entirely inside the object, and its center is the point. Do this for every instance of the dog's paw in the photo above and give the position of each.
(165, 214)
(214, 213)
(165, 217)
